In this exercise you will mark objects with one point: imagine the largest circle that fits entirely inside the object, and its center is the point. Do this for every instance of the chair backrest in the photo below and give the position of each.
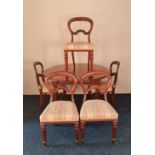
(99, 81)
(77, 19)
(59, 81)
(114, 68)
(39, 69)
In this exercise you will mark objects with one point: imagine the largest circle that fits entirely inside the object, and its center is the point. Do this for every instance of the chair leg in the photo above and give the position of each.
(82, 125)
(42, 97)
(73, 59)
(114, 130)
(113, 99)
(43, 130)
(76, 131)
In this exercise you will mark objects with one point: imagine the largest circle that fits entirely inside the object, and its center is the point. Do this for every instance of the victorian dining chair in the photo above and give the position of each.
(114, 68)
(39, 70)
(60, 111)
(79, 46)
(97, 110)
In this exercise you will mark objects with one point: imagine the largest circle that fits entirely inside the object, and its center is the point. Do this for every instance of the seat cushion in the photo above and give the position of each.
(97, 110)
(78, 46)
(60, 111)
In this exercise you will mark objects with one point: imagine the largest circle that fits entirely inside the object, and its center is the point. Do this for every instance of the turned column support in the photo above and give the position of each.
(43, 130)
(76, 131)
(82, 126)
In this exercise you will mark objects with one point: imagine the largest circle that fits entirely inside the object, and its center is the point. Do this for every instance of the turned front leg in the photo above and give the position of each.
(76, 131)
(114, 130)
(43, 130)
(82, 126)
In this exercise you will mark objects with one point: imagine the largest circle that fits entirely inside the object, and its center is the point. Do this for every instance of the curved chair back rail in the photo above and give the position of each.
(94, 82)
(76, 19)
(61, 80)
(114, 72)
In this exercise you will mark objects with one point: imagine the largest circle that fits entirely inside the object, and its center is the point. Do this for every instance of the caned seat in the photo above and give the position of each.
(78, 45)
(60, 111)
(95, 110)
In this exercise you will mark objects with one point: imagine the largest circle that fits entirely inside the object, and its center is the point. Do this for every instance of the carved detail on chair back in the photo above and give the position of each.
(61, 81)
(114, 72)
(76, 19)
(39, 74)
(99, 81)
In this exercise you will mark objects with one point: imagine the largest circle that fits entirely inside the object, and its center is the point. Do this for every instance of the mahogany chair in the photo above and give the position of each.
(97, 110)
(79, 46)
(114, 68)
(60, 111)
(39, 70)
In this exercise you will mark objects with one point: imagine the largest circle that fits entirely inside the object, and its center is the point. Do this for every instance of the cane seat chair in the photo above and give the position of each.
(79, 46)
(97, 110)
(60, 111)
(39, 72)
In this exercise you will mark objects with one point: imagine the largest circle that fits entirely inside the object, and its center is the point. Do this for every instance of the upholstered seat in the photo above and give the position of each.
(82, 45)
(60, 111)
(97, 109)
(78, 46)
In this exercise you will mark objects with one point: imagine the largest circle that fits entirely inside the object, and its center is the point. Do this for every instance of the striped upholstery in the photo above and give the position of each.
(60, 111)
(78, 46)
(97, 110)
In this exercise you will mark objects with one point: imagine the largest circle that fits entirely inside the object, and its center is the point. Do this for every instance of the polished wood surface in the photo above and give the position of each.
(85, 19)
(79, 71)
(60, 112)
(97, 110)
(39, 72)
(76, 46)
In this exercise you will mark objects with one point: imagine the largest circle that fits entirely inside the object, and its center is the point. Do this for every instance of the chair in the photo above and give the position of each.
(79, 46)
(39, 70)
(97, 110)
(114, 68)
(60, 111)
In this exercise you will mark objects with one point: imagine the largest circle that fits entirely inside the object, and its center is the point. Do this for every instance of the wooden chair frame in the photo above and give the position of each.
(114, 74)
(90, 52)
(54, 86)
(104, 90)
(40, 81)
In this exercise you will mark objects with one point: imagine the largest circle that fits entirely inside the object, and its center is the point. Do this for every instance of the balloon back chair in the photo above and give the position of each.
(97, 110)
(39, 70)
(114, 68)
(79, 46)
(60, 111)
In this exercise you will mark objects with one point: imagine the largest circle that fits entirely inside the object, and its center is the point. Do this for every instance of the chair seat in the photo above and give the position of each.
(60, 111)
(97, 110)
(78, 46)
